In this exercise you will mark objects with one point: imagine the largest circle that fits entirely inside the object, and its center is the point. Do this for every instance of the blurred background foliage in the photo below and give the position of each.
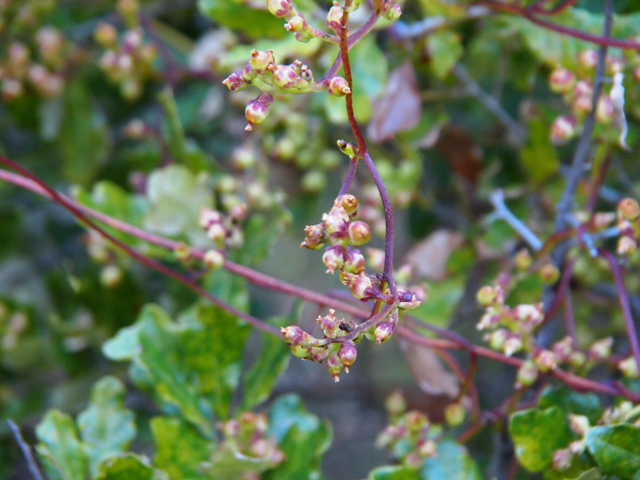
(121, 106)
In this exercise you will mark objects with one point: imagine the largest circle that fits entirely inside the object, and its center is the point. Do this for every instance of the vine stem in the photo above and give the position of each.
(145, 260)
(387, 274)
(454, 341)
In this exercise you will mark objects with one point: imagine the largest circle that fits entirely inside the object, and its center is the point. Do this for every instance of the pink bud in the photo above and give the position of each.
(588, 58)
(262, 61)
(561, 80)
(334, 17)
(293, 335)
(383, 331)
(213, 259)
(626, 245)
(562, 459)
(338, 86)
(334, 365)
(316, 236)
(581, 105)
(330, 324)
(583, 87)
(604, 110)
(393, 13)
(486, 296)
(209, 216)
(546, 360)
(562, 349)
(333, 257)
(257, 110)
(281, 8)
(235, 82)
(563, 129)
(296, 24)
(347, 354)
(629, 209)
(359, 233)
(348, 202)
(336, 222)
(284, 75)
(360, 285)
(601, 349)
(527, 374)
(353, 261)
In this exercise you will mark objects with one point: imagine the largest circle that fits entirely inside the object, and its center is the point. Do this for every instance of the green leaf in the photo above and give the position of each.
(60, 449)
(394, 473)
(236, 16)
(180, 448)
(452, 463)
(302, 437)
(83, 138)
(127, 466)
(537, 434)
(125, 345)
(274, 358)
(445, 49)
(587, 404)
(176, 197)
(580, 466)
(616, 449)
(213, 347)
(539, 156)
(106, 427)
(227, 464)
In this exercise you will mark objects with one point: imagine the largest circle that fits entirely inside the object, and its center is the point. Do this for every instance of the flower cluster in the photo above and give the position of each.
(410, 436)
(128, 60)
(247, 436)
(263, 73)
(577, 90)
(629, 224)
(225, 231)
(103, 254)
(19, 73)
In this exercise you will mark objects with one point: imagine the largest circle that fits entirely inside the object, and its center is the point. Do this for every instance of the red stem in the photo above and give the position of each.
(149, 262)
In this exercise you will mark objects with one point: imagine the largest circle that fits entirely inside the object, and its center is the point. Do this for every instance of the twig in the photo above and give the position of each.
(147, 261)
(583, 236)
(26, 450)
(503, 212)
(623, 298)
(404, 31)
(348, 178)
(516, 133)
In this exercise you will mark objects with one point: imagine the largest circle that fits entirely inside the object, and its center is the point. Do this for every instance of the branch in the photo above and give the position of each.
(26, 450)
(503, 212)
(147, 261)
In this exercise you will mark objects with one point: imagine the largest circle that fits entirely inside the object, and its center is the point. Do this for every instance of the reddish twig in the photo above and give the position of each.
(147, 261)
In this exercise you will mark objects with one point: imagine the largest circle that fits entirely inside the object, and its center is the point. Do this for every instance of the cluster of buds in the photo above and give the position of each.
(250, 193)
(19, 74)
(127, 60)
(577, 90)
(225, 231)
(247, 435)
(296, 21)
(409, 435)
(263, 73)
(628, 216)
(18, 17)
(524, 266)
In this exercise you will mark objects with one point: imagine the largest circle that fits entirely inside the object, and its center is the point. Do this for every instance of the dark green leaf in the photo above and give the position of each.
(452, 463)
(106, 427)
(537, 434)
(616, 449)
(60, 449)
(586, 404)
(180, 448)
(274, 358)
(445, 49)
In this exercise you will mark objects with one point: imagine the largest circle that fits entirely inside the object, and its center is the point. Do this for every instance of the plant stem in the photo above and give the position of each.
(26, 450)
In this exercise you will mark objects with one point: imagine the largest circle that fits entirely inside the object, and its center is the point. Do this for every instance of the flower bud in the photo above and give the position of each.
(284, 76)
(454, 414)
(563, 129)
(546, 360)
(11, 89)
(213, 259)
(549, 273)
(182, 252)
(257, 110)
(334, 365)
(111, 276)
(486, 296)
(603, 219)
(359, 233)
(393, 13)
(497, 338)
(416, 421)
(360, 285)
(330, 324)
(629, 367)
(604, 110)
(512, 345)
(579, 424)
(333, 257)
(230, 428)
(262, 61)
(237, 81)
(561, 80)
(128, 10)
(626, 245)
(383, 331)
(347, 148)
(349, 203)
(577, 359)
(588, 58)
(338, 86)
(489, 320)
(614, 65)
(562, 349)
(301, 352)
(427, 448)
(336, 222)
(629, 209)
(523, 260)
(238, 212)
(581, 105)
(281, 8)
(395, 404)
(529, 316)
(217, 232)
(293, 335)
(583, 88)
(527, 374)
(334, 17)
(601, 349)
(209, 216)
(347, 354)
(316, 236)
(295, 24)
(353, 261)
(105, 35)
(562, 459)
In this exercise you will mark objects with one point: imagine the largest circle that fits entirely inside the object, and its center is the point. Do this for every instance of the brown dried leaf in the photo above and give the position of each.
(400, 107)
(429, 257)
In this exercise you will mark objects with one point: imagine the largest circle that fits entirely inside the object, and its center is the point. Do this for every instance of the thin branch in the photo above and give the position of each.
(405, 31)
(26, 450)
(147, 261)
(503, 212)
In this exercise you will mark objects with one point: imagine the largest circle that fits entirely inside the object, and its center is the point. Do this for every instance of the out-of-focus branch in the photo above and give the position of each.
(26, 450)
(502, 212)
